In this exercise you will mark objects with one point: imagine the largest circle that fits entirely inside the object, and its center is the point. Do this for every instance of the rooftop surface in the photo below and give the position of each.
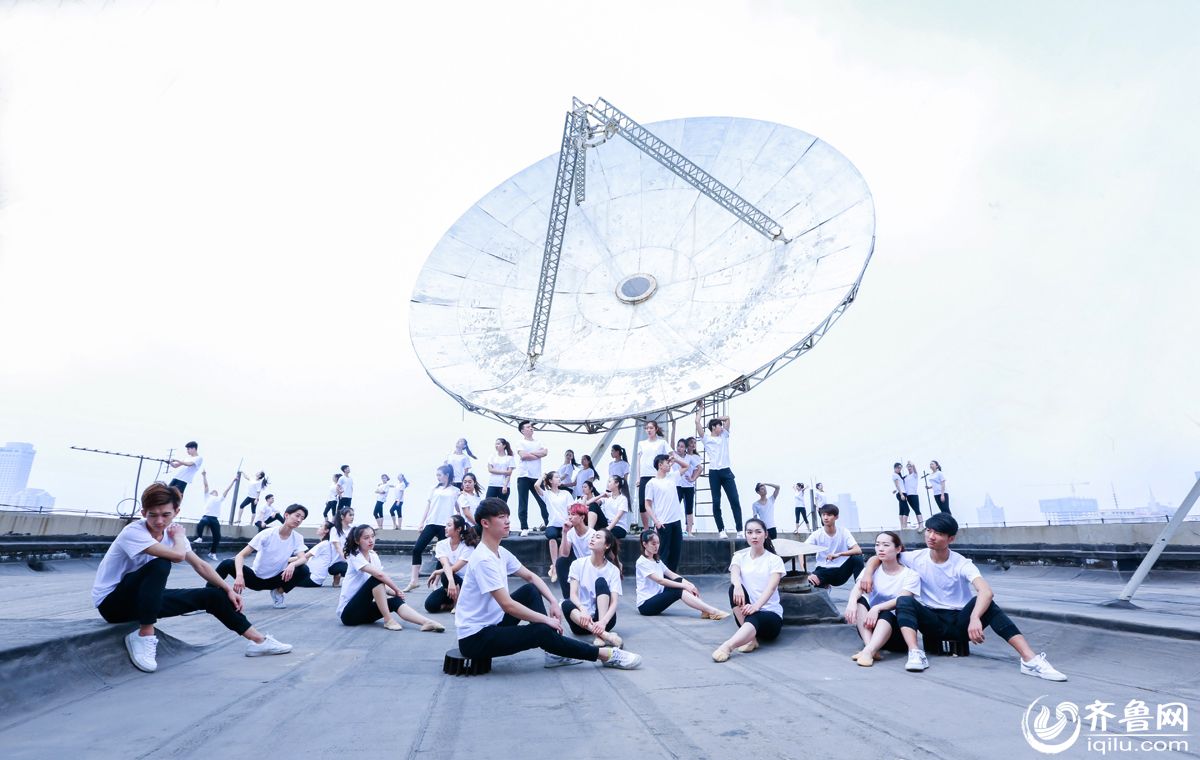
(69, 689)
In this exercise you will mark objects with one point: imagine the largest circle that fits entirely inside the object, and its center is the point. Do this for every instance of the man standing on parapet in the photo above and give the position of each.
(720, 472)
(186, 467)
(345, 488)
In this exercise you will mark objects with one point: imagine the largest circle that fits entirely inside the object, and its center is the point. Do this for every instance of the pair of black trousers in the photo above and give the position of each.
(507, 637)
(330, 511)
(562, 566)
(836, 576)
(767, 625)
(658, 604)
(801, 517)
(497, 492)
(642, 481)
(440, 597)
(428, 533)
(670, 544)
(524, 490)
(943, 502)
(688, 497)
(361, 609)
(895, 642)
(143, 597)
(300, 577)
(601, 589)
(214, 529)
(724, 479)
(951, 625)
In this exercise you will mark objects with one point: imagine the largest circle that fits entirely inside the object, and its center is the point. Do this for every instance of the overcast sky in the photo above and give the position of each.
(212, 216)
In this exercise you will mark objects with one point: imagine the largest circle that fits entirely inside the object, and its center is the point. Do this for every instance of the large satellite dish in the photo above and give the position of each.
(642, 269)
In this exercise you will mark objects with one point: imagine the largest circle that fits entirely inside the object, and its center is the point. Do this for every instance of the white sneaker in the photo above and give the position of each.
(555, 661)
(212, 556)
(723, 533)
(917, 661)
(267, 646)
(525, 533)
(143, 651)
(278, 598)
(623, 660)
(1039, 667)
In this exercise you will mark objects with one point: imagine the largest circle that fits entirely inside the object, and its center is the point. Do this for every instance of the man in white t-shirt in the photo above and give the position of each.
(186, 467)
(529, 468)
(955, 602)
(665, 511)
(279, 565)
(345, 488)
(842, 556)
(720, 471)
(487, 617)
(212, 514)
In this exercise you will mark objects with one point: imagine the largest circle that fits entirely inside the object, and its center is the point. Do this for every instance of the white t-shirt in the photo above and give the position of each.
(500, 462)
(212, 507)
(898, 482)
(442, 550)
(946, 586)
(579, 544)
(128, 553)
(766, 512)
(586, 573)
(356, 577)
(938, 481)
(717, 449)
(646, 587)
(687, 477)
(756, 573)
(611, 506)
(818, 499)
(381, 492)
(272, 552)
(886, 587)
(347, 484)
(566, 473)
(647, 451)
(618, 469)
(254, 489)
(333, 494)
(324, 554)
(800, 502)
(398, 486)
(486, 571)
(461, 463)
(556, 506)
(531, 468)
(442, 501)
(265, 511)
(840, 541)
(912, 484)
(584, 475)
(466, 503)
(187, 472)
(663, 497)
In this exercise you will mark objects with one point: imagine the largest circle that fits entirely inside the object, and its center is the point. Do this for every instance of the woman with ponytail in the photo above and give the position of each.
(754, 576)
(658, 588)
(452, 554)
(365, 597)
(595, 587)
(460, 461)
(443, 501)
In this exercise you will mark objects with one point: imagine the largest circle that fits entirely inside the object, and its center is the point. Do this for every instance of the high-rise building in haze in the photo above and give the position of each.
(1070, 509)
(847, 512)
(33, 498)
(16, 460)
(989, 513)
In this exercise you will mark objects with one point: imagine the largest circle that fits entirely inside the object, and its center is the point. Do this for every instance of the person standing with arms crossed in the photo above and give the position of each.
(720, 472)
(529, 468)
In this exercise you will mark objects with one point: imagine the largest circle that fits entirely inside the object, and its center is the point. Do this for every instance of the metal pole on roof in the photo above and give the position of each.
(1164, 538)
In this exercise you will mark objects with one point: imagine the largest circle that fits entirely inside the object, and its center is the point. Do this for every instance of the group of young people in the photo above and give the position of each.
(906, 485)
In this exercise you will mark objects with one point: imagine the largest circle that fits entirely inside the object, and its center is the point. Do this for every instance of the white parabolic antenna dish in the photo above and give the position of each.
(663, 297)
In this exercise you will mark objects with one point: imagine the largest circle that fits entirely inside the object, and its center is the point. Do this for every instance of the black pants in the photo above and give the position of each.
(767, 625)
(497, 492)
(214, 529)
(772, 533)
(507, 637)
(330, 511)
(836, 576)
(338, 568)
(361, 609)
(642, 481)
(688, 497)
(562, 567)
(951, 625)
(914, 503)
(378, 511)
(895, 642)
(249, 501)
(428, 533)
(943, 502)
(601, 520)
(568, 607)
(801, 517)
(723, 479)
(273, 518)
(524, 490)
(619, 532)
(658, 603)
(397, 510)
(300, 577)
(902, 503)
(143, 597)
(439, 597)
(343, 502)
(670, 539)
(177, 483)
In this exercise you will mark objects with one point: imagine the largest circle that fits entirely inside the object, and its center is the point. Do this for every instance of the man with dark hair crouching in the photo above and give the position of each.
(488, 617)
(955, 602)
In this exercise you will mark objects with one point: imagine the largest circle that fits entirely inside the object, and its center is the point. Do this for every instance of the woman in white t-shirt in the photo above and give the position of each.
(801, 509)
(586, 474)
(460, 461)
(342, 523)
(324, 559)
(937, 481)
(619, 466)
(614, 508)
(452, 553)
(469, 498)
(557, 501)
(754, 576)
(576, 534)
(658, 587)
(364, 596)
(442, 503)
(647, 450)
(686, 447)
(567, 471)
(764, 508)
(876, 620)
(252, 491)
(595, 585)
(594, 501)
(500, 470)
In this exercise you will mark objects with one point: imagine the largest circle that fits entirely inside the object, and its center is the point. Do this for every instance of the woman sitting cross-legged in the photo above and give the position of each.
(658, 587)
(364, 594)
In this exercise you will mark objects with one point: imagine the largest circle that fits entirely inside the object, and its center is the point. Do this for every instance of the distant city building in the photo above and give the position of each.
(16, 460)
(847, 512)
(33, 498)
(1070, 509)
(989, 513)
